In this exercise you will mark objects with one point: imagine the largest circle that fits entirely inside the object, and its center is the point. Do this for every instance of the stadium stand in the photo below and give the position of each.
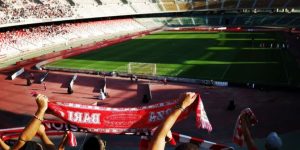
(27, 11)
(42, 11)
(111, 1)
(71, 2)
(245, 4)
(199, 20)
(238, 20)
(174, 22)
(183, 6)
(64, 2)
(230, 4)
(213, 4)
(291, 3)
(98, 2)
(166, 1)
(278, 3)
(149, 23)
(155, 7)
(262, 4)
(187, 21)
(197, 4)
(145, 7)
(21, 11)
(29, 40)
(169, 6)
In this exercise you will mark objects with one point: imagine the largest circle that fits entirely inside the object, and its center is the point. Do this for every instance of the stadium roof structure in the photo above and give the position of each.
(237, 19)
(240, 4)
(252, 12)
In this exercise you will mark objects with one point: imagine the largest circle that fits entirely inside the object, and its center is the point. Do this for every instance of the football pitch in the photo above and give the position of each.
(225, 56)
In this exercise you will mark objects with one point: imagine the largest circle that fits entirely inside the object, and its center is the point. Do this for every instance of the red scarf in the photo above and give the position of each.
(124, 120)
(238, 135)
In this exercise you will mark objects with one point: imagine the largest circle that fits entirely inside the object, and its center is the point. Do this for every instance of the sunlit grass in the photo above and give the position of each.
(203, 55)
(207, 62)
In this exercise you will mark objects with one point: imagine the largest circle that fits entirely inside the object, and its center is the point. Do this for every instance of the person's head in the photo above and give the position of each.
(94, 143)
(187, 146)
(32, 145)
(273, 141)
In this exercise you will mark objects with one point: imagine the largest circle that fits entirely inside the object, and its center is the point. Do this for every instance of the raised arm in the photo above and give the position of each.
(247, 134)
(34, 124)
(158, 140)
(63, 141)
(45, 139)
(3, 145)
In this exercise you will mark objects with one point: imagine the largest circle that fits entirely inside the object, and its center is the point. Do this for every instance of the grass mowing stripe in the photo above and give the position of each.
(205, 55)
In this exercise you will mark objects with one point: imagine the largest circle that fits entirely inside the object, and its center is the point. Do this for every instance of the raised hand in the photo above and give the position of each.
(42, 102)
(187, 99)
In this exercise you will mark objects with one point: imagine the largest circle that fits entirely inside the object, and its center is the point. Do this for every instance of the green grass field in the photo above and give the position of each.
(221, 56)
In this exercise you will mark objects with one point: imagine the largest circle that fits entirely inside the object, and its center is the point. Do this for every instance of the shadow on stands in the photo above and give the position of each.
(9, 119)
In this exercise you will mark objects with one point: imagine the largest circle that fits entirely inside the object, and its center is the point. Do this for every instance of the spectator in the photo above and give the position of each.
(35, 127)
(16, 11)
(158, 140)
(94, 143)
(20, 41)
(273, 141)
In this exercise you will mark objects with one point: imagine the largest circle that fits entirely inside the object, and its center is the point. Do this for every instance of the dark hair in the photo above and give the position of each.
(32, 145)
(94, 143)
(187, 146)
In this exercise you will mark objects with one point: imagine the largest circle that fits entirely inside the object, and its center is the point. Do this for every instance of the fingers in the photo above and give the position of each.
(42, 102)
(188, 94)
(188, 99)
(42, 97)
(245, 120)
(191, 95)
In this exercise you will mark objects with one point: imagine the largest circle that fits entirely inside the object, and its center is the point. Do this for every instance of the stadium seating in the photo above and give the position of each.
(213, 4)
(262, 4)
(145, 7)
(46, 10)
(174, 22)
(183, 6)
(32, 11)
(241, 20)
(150, 23)
(230, 4)
(278, 3)
(155, 7)
(85, 2)
(292, 3)
(246, 3)
(187, 21)
(29, 40)
(166, 1)
(199, 21)
(18, 11)
(199, 5)
(169, 6)
(111, 1)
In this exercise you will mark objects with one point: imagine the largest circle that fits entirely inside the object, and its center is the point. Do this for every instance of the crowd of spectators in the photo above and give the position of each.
(16, 42)
(14, 11)
(31, 11)
(159, 140)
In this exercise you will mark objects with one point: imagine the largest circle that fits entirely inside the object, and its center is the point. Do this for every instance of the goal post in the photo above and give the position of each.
(142, 68)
